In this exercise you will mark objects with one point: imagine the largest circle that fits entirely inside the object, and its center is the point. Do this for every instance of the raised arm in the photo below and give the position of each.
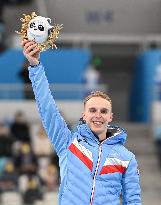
(53, 122)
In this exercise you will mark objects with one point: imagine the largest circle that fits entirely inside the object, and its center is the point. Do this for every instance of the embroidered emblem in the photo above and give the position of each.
(113, 165)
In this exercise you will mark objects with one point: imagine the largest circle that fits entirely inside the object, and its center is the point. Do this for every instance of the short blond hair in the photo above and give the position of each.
(97, 93)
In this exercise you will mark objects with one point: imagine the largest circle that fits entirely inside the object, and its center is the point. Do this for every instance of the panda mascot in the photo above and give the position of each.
(39, 29)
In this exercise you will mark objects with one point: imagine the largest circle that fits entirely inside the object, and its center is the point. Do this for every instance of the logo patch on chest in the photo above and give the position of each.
(113, 165)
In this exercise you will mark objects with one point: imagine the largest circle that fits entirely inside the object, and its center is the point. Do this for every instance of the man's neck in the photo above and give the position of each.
(104, 136)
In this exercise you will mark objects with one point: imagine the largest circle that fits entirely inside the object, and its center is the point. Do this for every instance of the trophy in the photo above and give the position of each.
(39, 29)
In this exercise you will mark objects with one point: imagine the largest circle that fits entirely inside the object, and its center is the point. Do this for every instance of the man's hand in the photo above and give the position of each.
(31, 52)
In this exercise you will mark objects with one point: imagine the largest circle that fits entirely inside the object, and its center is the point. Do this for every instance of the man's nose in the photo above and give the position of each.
(98, 114)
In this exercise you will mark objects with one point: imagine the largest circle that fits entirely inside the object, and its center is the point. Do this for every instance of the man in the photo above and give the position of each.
(95, 167)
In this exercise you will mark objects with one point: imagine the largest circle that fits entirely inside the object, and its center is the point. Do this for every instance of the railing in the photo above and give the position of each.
(59, 91)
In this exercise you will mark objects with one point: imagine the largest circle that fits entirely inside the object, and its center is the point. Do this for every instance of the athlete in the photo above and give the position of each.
(95, 167)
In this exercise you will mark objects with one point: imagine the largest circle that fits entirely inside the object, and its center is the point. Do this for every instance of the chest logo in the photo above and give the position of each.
(113, 165)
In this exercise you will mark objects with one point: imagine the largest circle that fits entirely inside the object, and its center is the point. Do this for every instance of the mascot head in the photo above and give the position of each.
(39, 29)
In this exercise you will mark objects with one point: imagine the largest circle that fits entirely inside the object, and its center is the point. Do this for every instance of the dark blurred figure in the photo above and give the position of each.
(3, 3)
(33, 191)
(2, 26)
(20, 128)
(17, 2)
(6, 141)
(158, 150)
(25, 160)
(50, 176)
(8, 178)
(54, 160)
(40, 143)
(24, 75)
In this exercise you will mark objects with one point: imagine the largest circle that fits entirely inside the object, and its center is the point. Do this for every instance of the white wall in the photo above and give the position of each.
(112, 16)
(156, 112)
(156, 119)
(71, 109)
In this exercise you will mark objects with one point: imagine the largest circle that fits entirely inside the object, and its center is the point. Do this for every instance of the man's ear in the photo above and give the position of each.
(82, 114)
(82, 121)
(111, 117)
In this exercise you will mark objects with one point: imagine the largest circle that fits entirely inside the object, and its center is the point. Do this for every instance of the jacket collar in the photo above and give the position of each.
(116, 135)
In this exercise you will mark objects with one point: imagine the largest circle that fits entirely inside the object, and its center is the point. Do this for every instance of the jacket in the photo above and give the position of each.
(92, 172)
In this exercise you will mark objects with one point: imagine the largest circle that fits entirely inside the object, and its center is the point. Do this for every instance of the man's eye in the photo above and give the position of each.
(92, 110)
(104, 111)
(41, 28)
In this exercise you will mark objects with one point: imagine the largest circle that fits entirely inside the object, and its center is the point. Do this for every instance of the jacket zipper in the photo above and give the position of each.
(95, 173)
(96, 170)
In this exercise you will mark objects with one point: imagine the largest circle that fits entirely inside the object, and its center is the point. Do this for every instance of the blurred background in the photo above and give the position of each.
(108, 45)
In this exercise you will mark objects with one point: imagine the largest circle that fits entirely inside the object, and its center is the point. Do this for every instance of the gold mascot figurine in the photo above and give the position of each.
(38, 29)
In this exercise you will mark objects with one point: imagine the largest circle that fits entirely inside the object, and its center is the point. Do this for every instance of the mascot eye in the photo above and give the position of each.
(32, 25)
(41, 28)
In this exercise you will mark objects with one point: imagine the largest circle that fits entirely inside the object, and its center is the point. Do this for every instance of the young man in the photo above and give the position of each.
(95, 167)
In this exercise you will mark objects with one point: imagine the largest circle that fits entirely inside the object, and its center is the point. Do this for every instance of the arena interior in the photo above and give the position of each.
(113, 46)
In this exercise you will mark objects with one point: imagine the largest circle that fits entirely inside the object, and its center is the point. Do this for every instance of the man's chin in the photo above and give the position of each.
(97, 132)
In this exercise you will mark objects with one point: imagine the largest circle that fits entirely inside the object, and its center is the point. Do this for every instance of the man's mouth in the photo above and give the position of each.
(97, 122)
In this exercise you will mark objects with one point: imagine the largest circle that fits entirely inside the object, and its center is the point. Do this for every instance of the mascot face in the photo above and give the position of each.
(39, 29)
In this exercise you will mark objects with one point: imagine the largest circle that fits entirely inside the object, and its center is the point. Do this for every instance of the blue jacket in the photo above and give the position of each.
(92, 172)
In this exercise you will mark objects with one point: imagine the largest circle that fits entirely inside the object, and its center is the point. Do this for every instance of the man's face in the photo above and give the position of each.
(97, 114)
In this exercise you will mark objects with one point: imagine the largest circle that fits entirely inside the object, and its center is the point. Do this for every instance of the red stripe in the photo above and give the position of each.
(81, 156)
(112, 169)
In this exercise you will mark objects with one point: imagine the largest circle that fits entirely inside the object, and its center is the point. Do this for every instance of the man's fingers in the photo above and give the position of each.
(24, 42)
(30, 48)
(34, 51)
(31, 51)
(28, 44)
